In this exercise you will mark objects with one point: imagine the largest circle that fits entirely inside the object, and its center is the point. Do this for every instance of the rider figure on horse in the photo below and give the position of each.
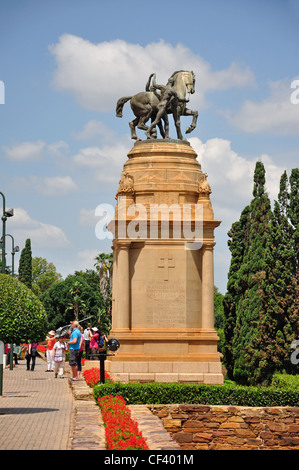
(168, 98)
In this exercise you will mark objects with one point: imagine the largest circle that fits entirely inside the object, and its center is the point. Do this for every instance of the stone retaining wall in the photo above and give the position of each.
(201, 427)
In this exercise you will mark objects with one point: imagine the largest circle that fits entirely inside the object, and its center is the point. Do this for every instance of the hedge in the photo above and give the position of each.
(172, 393)
(285, 381)
(22, 315)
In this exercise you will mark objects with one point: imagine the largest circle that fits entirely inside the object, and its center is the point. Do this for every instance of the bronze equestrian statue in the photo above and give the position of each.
(157, 102)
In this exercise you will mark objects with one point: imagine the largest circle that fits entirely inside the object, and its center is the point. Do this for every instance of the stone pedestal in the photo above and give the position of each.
(163, 282)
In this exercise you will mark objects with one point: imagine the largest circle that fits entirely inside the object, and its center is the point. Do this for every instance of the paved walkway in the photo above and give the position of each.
(41, 412)
(36, 410)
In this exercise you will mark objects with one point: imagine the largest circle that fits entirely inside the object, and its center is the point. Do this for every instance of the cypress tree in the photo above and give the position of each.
(294, 221)
(248, 349)
(25, 264)
(278, 324)
(294, 216)
(261, 303)
(238, 243)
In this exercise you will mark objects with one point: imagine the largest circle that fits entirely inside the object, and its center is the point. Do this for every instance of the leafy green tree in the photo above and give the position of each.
(22, 315)
(104, 313)
(7, 269)
(219, 317)
(90, 276)
(25, 264)
(44, 274)
(104, 321)
(218, 308)
(77, 305)
(58, 298)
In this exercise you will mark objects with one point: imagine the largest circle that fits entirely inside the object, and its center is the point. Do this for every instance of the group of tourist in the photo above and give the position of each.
(90, 340)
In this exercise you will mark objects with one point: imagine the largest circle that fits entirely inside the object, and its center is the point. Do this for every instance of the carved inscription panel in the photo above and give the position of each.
(166, 304)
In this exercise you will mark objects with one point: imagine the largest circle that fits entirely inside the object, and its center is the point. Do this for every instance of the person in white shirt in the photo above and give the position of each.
(86, 336)
(59, 356)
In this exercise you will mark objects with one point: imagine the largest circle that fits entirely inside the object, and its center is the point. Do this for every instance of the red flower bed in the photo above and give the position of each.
(122, 431)
(92, 376)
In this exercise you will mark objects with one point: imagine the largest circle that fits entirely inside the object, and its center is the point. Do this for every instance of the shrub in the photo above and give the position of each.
(285, 381)
(22, 315)
(161, 393)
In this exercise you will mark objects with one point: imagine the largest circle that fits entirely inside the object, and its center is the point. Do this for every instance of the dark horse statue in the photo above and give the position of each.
(157, 102)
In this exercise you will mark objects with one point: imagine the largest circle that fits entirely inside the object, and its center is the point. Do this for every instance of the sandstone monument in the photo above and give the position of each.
(163, 282)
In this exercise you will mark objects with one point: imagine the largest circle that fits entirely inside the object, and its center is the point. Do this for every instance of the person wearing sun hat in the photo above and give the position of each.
(94, 343)
(49, 352)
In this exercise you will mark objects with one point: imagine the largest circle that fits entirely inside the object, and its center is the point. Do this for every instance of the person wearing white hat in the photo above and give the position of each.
(94, 343)
(49, 352)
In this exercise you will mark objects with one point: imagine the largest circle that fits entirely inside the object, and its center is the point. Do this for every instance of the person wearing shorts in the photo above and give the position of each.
(74, 348)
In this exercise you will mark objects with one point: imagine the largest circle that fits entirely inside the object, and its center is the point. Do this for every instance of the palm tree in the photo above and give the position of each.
(77, 304)
(103, 265)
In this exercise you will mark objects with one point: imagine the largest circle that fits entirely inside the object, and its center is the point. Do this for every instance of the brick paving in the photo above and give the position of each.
(36, 409)
(41, 412)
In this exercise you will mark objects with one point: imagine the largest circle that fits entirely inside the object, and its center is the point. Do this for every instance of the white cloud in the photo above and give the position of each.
(92, 157)
(24, 151)
(94, 130)
(33, 151)
(86, 259)
(105, 161)
(54, 186)
(41, 235)
(58, 149)
(231, 175)
(87, 218)
(98, 74)
(49, 186)
(276, 114)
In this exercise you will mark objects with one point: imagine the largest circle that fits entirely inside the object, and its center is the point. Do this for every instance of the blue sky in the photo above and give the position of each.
(65, 63)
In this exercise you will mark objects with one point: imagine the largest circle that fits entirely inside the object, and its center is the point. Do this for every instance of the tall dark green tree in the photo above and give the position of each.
(279, 325)
(294, 216)
(25, 264)
(238, 244)
(250, 311)
(261, 306)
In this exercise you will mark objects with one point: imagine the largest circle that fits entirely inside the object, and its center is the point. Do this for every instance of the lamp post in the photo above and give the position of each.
(5, 214)
(14, 250)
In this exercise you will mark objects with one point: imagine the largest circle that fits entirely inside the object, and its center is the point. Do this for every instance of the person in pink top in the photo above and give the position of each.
(94, 343)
